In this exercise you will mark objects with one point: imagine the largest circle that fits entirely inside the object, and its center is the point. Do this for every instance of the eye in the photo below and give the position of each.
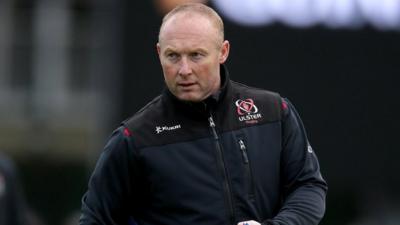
(196, 55)
(172, 56)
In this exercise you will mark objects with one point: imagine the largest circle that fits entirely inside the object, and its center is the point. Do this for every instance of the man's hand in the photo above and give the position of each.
(249, 222)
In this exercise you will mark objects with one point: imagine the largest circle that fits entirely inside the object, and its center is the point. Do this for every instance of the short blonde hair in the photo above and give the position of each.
(200, 9)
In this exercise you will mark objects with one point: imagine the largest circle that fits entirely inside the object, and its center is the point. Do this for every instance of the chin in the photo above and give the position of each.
(190, 98)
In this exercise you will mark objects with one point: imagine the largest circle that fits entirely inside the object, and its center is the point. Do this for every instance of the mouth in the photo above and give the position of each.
(186, 84)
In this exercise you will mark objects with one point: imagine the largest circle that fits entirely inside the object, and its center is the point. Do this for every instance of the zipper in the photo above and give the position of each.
(244, 152)
(249, 174)
(226, 184)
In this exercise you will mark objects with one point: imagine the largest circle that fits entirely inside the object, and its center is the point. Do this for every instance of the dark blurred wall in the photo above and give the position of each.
(343, 83)
(142, 77)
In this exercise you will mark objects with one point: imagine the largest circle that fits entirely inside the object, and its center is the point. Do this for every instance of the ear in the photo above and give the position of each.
(158, 48)
(224, 52)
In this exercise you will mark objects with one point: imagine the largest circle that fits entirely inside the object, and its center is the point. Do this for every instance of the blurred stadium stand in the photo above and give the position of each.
(59, 64)
(59, 75)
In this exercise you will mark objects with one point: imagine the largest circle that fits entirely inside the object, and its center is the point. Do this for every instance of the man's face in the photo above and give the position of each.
(191, 51)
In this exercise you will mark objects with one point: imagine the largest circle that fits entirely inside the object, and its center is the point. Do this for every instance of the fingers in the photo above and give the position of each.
(249, 222)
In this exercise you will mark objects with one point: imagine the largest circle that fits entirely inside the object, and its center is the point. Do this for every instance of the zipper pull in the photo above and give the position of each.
(244, 152)
(210, 119)
(212, 125)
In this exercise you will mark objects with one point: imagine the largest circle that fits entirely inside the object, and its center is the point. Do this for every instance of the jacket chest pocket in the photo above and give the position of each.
(246, 164)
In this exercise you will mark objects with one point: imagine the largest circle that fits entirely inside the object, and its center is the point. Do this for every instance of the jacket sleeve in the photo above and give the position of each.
(304, 189)
(107, 200)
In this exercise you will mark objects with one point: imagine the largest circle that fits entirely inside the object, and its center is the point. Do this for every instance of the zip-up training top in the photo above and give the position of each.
(242, 154)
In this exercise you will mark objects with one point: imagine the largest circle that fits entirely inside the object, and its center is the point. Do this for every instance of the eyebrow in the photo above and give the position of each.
(171, 49)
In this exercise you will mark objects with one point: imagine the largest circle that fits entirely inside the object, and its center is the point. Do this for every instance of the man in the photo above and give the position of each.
(208, 150)
(12, 204)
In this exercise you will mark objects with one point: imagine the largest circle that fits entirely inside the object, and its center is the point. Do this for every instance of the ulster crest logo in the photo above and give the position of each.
(247, 111)
(246, 106)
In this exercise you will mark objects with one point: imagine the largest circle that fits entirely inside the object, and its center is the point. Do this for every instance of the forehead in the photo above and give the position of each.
(188, 27)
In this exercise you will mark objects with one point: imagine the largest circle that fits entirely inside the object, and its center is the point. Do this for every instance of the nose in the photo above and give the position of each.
(185, 68)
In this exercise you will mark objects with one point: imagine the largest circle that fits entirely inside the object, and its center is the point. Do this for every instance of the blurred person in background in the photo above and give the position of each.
(12, 204)
(207, 150)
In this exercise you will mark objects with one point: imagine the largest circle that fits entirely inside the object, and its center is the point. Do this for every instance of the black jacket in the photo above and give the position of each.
(240, 155)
